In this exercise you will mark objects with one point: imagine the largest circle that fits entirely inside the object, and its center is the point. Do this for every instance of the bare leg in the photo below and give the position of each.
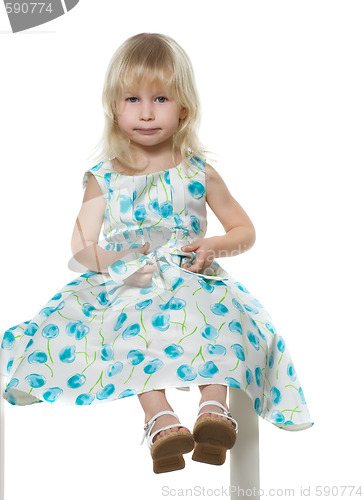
(154, 402)
(216, 392)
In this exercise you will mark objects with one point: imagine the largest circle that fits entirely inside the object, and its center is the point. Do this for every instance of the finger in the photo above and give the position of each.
(148, 269)
(199, 263)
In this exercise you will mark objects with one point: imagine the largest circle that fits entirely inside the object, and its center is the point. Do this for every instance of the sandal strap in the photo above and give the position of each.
(226, 412)
(148, 426)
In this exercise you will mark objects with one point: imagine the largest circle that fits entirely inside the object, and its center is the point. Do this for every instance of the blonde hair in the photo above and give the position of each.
(161, 60)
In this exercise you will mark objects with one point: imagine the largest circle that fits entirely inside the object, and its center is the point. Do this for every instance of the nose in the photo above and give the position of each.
(146, 111)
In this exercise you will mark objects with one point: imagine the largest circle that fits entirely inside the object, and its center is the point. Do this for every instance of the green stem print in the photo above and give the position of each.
(146, 343)
(141, 321)
(68, 319)
(49, 351)
(164, 187)
(103, 338)
(204, 317)
(280, 359)
(187, 335)
(232, 369)
(131, 373)
(98, 380)
(49, 368)
(157, 223)
(226, 290)
(112, 214)
(265, 328)
(147, 381)
(86, 353)
(265, 376)
(290, 385)
(198, 354)
(88, 366)
(293, 411)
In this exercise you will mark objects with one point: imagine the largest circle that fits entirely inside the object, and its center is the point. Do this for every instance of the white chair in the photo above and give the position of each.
(2, 436)
(244, 456)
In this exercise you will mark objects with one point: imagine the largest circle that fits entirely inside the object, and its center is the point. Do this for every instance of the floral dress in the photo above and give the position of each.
(99, 339)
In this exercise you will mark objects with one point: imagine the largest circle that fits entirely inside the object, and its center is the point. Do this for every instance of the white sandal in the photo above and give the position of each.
(167, 450)
(213, 436)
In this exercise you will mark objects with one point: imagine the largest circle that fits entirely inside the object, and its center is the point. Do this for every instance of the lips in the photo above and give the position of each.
(146, 130)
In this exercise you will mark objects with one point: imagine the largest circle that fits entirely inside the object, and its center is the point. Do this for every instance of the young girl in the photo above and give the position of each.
(154, 309)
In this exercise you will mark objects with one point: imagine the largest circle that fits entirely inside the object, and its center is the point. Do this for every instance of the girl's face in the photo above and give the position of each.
(149, 116)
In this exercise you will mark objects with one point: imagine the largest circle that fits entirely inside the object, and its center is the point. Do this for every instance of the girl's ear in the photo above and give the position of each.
(183, 113)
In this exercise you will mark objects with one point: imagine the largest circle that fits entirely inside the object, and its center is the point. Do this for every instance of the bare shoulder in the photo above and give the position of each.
(214, 182)
(92, 189)
(222, 203)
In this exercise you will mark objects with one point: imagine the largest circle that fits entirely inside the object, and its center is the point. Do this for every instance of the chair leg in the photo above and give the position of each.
(244, 456)
(2, 436)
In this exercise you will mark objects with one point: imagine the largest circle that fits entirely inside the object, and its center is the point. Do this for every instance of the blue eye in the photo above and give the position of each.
(161, 97)
(131, 98)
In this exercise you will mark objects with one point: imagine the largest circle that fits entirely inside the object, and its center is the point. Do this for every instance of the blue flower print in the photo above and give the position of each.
(209, 332)
(291, 372)
(52, 394)
(35, 380)
(107, 352)
(275, 395)
(173, 351)
(235, 326)
(161, 321)
(195, 224)
(232, 382)
(153, 366)
(37, 357)
(196, 189)
(131, 331)
(84, 399)
(216, 349)
(258, 406)
(248, 376)
(140, 213)
(67, 354)
(281, 345)
(277, 417)
(258, 376)
(106, 392)
(125, 203)
(239, 351)
(154, 207)
(8, 340)
(77, 329)
(219, 309)
(302, 397)
(76, 381)
(50, 331)
(208, 369)
(186, 372)
(166, 210)
(254, 340)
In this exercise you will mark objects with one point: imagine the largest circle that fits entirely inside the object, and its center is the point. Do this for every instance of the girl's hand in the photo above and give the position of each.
(143, 277)
(205, 254)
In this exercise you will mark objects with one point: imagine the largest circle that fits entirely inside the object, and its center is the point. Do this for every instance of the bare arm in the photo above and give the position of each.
(87, 230)
(240, 232)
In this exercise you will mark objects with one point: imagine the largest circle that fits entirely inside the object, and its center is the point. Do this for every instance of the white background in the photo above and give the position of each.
(281, 85)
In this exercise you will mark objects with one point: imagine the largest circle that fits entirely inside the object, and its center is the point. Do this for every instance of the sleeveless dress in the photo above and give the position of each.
(99, 339)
